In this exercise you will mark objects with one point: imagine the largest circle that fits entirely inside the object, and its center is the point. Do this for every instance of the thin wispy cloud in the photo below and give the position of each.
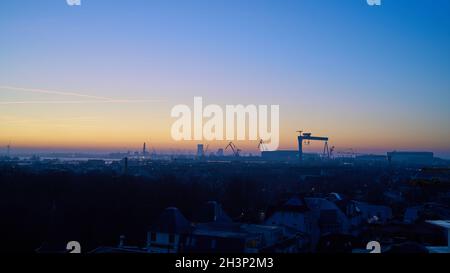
(93, 99)
(75, 102)
(16, 119)
(82, 122)
(53, 92)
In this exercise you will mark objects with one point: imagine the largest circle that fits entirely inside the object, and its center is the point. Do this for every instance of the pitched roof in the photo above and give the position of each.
(171, 221)
(294, 204)
(212, 212)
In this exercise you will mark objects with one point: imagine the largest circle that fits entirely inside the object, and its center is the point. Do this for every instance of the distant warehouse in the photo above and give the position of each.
(280, 155)
(416, 158)
(287, 156)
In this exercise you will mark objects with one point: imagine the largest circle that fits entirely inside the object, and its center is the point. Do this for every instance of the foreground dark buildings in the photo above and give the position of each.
(251, 206)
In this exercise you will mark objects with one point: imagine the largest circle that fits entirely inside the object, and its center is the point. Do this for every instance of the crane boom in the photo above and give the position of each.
(233, 148)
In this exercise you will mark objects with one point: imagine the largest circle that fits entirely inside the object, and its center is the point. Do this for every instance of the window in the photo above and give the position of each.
(252, 243)
(171, 238)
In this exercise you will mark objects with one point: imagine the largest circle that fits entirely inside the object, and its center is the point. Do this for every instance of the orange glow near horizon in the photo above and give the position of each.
(120, 135)
(125, 126)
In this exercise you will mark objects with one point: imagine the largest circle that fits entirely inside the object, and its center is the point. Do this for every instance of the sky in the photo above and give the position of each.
(105, 75)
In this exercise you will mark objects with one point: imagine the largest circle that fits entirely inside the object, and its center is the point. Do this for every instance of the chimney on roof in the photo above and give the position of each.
(122, 241)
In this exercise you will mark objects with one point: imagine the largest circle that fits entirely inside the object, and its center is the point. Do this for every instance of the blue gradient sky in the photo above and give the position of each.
(371, 78)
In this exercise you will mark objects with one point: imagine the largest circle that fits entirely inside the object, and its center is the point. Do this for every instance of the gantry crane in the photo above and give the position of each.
(307, 138)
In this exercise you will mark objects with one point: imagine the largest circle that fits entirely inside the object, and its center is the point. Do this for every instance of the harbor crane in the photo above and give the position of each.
(307, 138)
(331, 152)
(262, 146)
(234, 148)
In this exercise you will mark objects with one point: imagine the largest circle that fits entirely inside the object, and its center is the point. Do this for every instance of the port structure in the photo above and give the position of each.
(307, 138)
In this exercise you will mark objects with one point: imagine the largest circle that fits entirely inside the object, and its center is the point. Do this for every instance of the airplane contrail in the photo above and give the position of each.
(75, 101)
(97, 99)
(43, 91)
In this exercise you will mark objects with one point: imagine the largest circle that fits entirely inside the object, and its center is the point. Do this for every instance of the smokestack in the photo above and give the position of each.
(144, 149)
(125, 165)
(200, 151)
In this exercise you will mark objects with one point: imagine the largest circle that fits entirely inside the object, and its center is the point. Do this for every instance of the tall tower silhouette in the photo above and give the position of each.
(144, 149)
